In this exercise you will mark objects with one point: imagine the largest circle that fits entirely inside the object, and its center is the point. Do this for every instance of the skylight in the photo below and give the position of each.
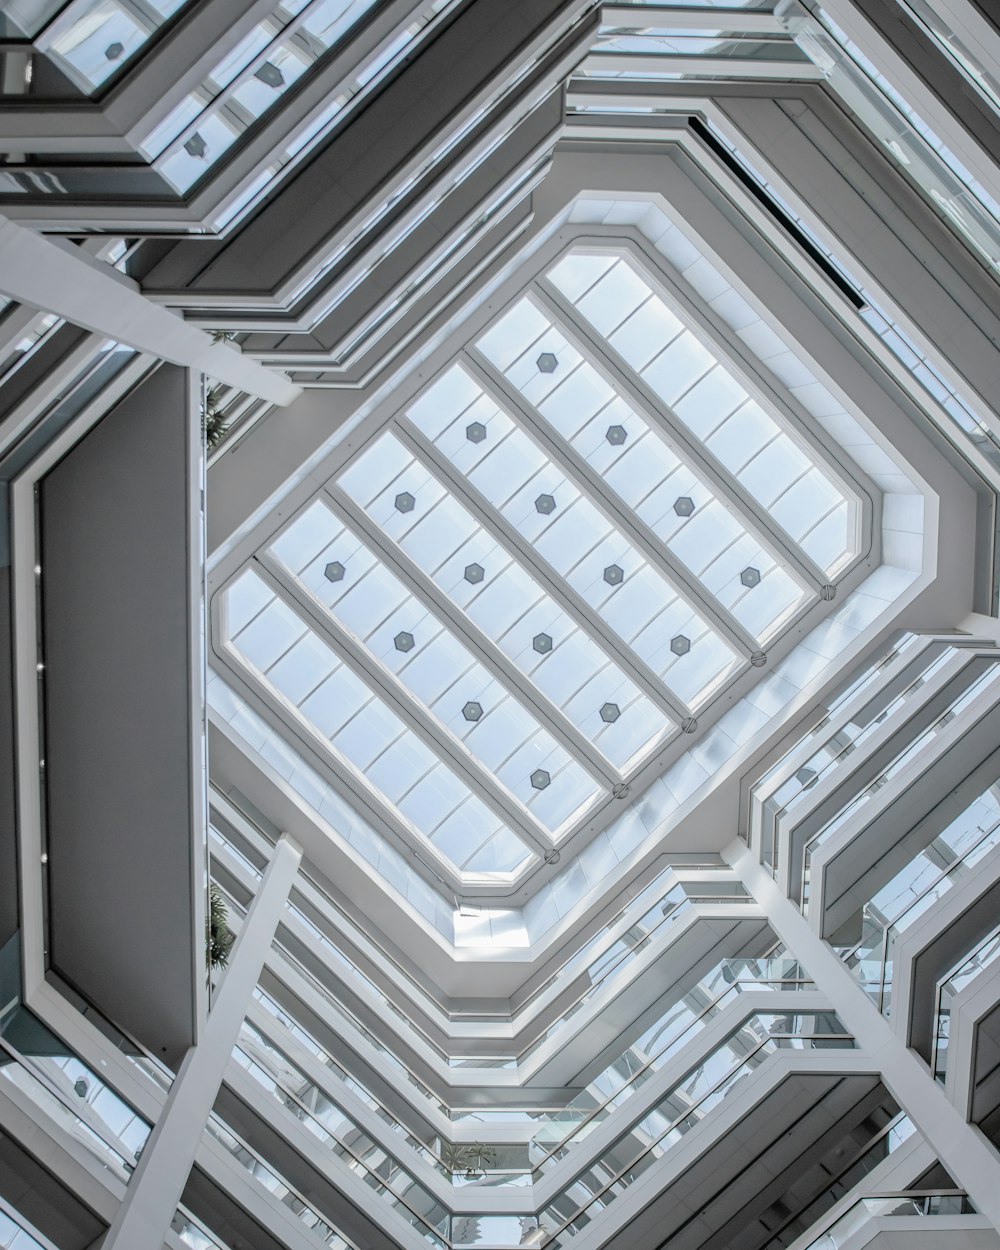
(339, 708)
(527, 584)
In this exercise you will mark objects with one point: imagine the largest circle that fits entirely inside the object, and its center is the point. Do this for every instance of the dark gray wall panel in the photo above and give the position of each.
(124, 825)
(8, 830)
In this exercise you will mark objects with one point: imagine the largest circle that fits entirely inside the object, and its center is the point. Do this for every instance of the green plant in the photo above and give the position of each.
(213, 422)
(223, 336)
(220, 940)
(468, 1157)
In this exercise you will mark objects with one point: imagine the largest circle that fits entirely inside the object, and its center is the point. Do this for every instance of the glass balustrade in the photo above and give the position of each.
(844, 1231)
(251, 79)
(266, 1177)
(13, 1233)
(652, 926)
(365, 1157)
(687, 1102)
(44, 1069)
(915, 889)
(190, 1232)
(838, 747)
(558, 1131)
(95, 39)
(961, 52)
(965, 416)
(921, 155)
(884, 1144)
(74, 1098)
(963, 976)
(917, 746)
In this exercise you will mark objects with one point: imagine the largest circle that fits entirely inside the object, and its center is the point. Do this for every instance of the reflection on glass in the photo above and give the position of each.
(100, 36)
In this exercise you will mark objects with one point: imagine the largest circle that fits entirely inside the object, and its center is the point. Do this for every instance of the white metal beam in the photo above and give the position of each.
(35, 270)
(964, 1151)
(158, 1181)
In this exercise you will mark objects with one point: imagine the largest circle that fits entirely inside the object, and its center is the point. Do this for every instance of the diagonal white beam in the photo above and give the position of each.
(162, 1172)
(964, 1151)
(35, 270)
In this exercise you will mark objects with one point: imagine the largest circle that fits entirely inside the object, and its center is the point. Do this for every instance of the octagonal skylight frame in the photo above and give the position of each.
(611, 780)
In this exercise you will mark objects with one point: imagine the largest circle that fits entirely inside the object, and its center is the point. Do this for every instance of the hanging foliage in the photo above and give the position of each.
(220, 940)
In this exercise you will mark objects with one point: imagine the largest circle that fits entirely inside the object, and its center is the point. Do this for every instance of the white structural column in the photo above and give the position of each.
(158, 1181)
(47, 275)
(963, 1150)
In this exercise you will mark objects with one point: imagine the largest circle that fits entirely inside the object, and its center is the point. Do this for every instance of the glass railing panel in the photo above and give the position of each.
(99, 37)
(687, 1104)
(912, 749)
(557, 1131)
(364, 1156)
(959, 410)
(884, 1144)
(97, 1137)
(657, 1046)
(964, 975)
(915, 889)
(14, 1235)
(249, 83)
(190, 1232)
(383, 1054)
(843, 1232)
(268, 1179)
(283, 1070)
(912, 146)
(963, 55)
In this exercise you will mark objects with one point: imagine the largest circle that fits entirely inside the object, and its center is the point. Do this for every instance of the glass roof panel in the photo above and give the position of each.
(360, 728)
(594, 557)
(767, 462)
(401, 634)
(708, 538)
(508, 605)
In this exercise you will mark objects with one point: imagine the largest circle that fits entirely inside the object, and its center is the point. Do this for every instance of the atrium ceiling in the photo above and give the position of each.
(594, 563)
(617, 440)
